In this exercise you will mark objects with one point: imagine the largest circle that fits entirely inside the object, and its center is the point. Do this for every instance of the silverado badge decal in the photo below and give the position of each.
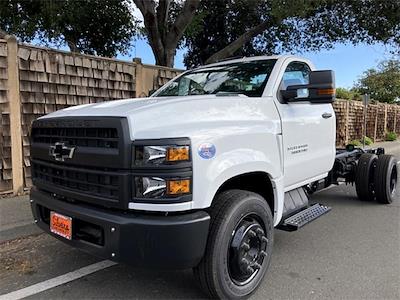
(60, 152)
(206, 150)
(298, 149)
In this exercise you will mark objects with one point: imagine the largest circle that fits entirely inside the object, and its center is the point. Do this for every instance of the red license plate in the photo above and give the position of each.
(61, 225)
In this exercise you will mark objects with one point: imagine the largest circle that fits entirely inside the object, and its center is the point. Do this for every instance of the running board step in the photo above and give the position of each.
(304, 217)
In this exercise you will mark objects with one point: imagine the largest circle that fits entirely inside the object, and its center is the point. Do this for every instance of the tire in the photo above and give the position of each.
(365, 177)
(386, 179)
(221, 271)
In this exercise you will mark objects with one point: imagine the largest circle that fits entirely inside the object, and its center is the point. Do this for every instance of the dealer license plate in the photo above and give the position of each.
(61, 225)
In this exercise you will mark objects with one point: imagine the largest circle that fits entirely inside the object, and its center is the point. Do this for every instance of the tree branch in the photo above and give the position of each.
(147, 8)
(143, 5)
(239, 42)
(182, 21)
(163, 38)
(162, 13)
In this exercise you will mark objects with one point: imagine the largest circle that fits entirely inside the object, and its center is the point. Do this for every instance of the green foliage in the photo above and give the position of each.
(383, 82)
(368, 141)
(103, 27)
(355, 143)
(19, 18)
(290, 26)
(348, 94)
(358, 143)
(391, 136)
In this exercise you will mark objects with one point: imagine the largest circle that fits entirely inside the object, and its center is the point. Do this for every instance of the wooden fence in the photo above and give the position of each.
(381, 118)
(35, 81)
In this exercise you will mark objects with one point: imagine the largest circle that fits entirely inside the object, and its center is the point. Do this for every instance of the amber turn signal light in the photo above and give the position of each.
(178, 153)
(176, 187)
(326, 92)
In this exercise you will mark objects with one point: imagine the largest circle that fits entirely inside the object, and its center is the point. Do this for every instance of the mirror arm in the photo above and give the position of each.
(297, 87)
(289, 95)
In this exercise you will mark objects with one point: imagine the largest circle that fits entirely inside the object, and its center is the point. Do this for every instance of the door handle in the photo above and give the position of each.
(326, 115)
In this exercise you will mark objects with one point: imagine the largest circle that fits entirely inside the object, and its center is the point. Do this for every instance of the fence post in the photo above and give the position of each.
(386, 117)
(346, 126)
(15, 115)
(376, 122)
(139, 77)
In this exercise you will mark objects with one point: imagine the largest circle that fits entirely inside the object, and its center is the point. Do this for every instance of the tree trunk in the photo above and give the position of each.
(163, 37)
(72, 47)
(164, 56)
(3, 34)
(170, 56)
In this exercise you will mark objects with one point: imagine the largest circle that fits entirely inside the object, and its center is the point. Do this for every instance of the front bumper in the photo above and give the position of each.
(137, 239)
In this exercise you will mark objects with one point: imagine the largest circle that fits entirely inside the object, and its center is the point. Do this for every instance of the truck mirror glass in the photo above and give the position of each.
(302, 93)
(321, 89)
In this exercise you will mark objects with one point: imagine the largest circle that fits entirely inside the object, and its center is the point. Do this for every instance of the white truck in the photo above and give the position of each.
(199, 174)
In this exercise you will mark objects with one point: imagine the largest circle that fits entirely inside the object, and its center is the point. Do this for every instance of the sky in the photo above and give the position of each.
(348, 61)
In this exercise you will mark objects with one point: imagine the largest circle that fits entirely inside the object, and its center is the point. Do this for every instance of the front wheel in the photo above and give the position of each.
(239, 246)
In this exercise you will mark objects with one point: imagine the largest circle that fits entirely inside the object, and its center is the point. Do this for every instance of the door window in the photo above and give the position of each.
(296, 73)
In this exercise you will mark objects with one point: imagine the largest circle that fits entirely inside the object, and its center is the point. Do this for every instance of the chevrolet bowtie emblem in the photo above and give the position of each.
(60, 152)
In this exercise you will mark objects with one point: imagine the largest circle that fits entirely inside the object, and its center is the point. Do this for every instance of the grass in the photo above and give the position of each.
(391, 136)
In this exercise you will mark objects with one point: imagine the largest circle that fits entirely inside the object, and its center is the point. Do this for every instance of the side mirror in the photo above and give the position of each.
(321, 89)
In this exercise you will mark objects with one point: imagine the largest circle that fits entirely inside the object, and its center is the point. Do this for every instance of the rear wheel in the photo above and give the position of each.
(386, 179)
(239, 246)
(365, 177)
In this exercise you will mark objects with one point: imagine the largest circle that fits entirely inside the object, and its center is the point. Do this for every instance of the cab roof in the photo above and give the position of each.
(253, 58)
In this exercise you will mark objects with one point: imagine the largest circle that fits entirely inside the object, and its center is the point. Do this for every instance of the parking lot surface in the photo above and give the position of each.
(351, 253)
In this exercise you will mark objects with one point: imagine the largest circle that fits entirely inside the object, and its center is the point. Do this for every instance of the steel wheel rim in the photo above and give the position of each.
(393, 180)
(371, 185)
(247, 249)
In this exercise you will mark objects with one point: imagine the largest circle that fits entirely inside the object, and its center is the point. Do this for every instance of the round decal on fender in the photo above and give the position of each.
(206, 150)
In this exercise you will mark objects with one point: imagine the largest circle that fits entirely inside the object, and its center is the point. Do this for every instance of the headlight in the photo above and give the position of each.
(156, 187)
(158, 155)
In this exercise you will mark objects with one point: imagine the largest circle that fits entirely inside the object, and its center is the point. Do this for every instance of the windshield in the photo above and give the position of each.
(247, 78)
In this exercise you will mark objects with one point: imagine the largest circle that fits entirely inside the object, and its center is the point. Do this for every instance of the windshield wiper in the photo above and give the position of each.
(222, 94)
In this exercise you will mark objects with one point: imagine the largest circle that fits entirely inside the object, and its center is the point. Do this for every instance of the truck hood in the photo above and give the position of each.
(162, 117)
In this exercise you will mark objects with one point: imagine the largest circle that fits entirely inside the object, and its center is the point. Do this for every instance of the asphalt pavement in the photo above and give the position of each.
(353, 252)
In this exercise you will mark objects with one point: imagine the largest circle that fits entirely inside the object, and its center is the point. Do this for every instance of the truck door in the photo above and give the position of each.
(308, 132)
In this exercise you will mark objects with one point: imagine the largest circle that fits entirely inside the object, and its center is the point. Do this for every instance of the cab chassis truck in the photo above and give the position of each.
(201, 173)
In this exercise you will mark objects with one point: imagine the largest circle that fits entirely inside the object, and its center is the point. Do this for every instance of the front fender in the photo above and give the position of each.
(235, 158)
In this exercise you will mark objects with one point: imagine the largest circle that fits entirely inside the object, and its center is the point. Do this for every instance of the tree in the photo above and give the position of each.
(247, 27)
(165, 23)
(217, 24)
(102, 27)
(382, 83)
(348, 94)
(19, 18)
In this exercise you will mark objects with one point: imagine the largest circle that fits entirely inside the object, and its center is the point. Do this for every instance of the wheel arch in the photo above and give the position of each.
(257, 182)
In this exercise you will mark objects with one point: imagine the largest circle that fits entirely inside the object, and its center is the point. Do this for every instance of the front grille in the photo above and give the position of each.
(96, 171)
(84, 137)
(84, 182)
